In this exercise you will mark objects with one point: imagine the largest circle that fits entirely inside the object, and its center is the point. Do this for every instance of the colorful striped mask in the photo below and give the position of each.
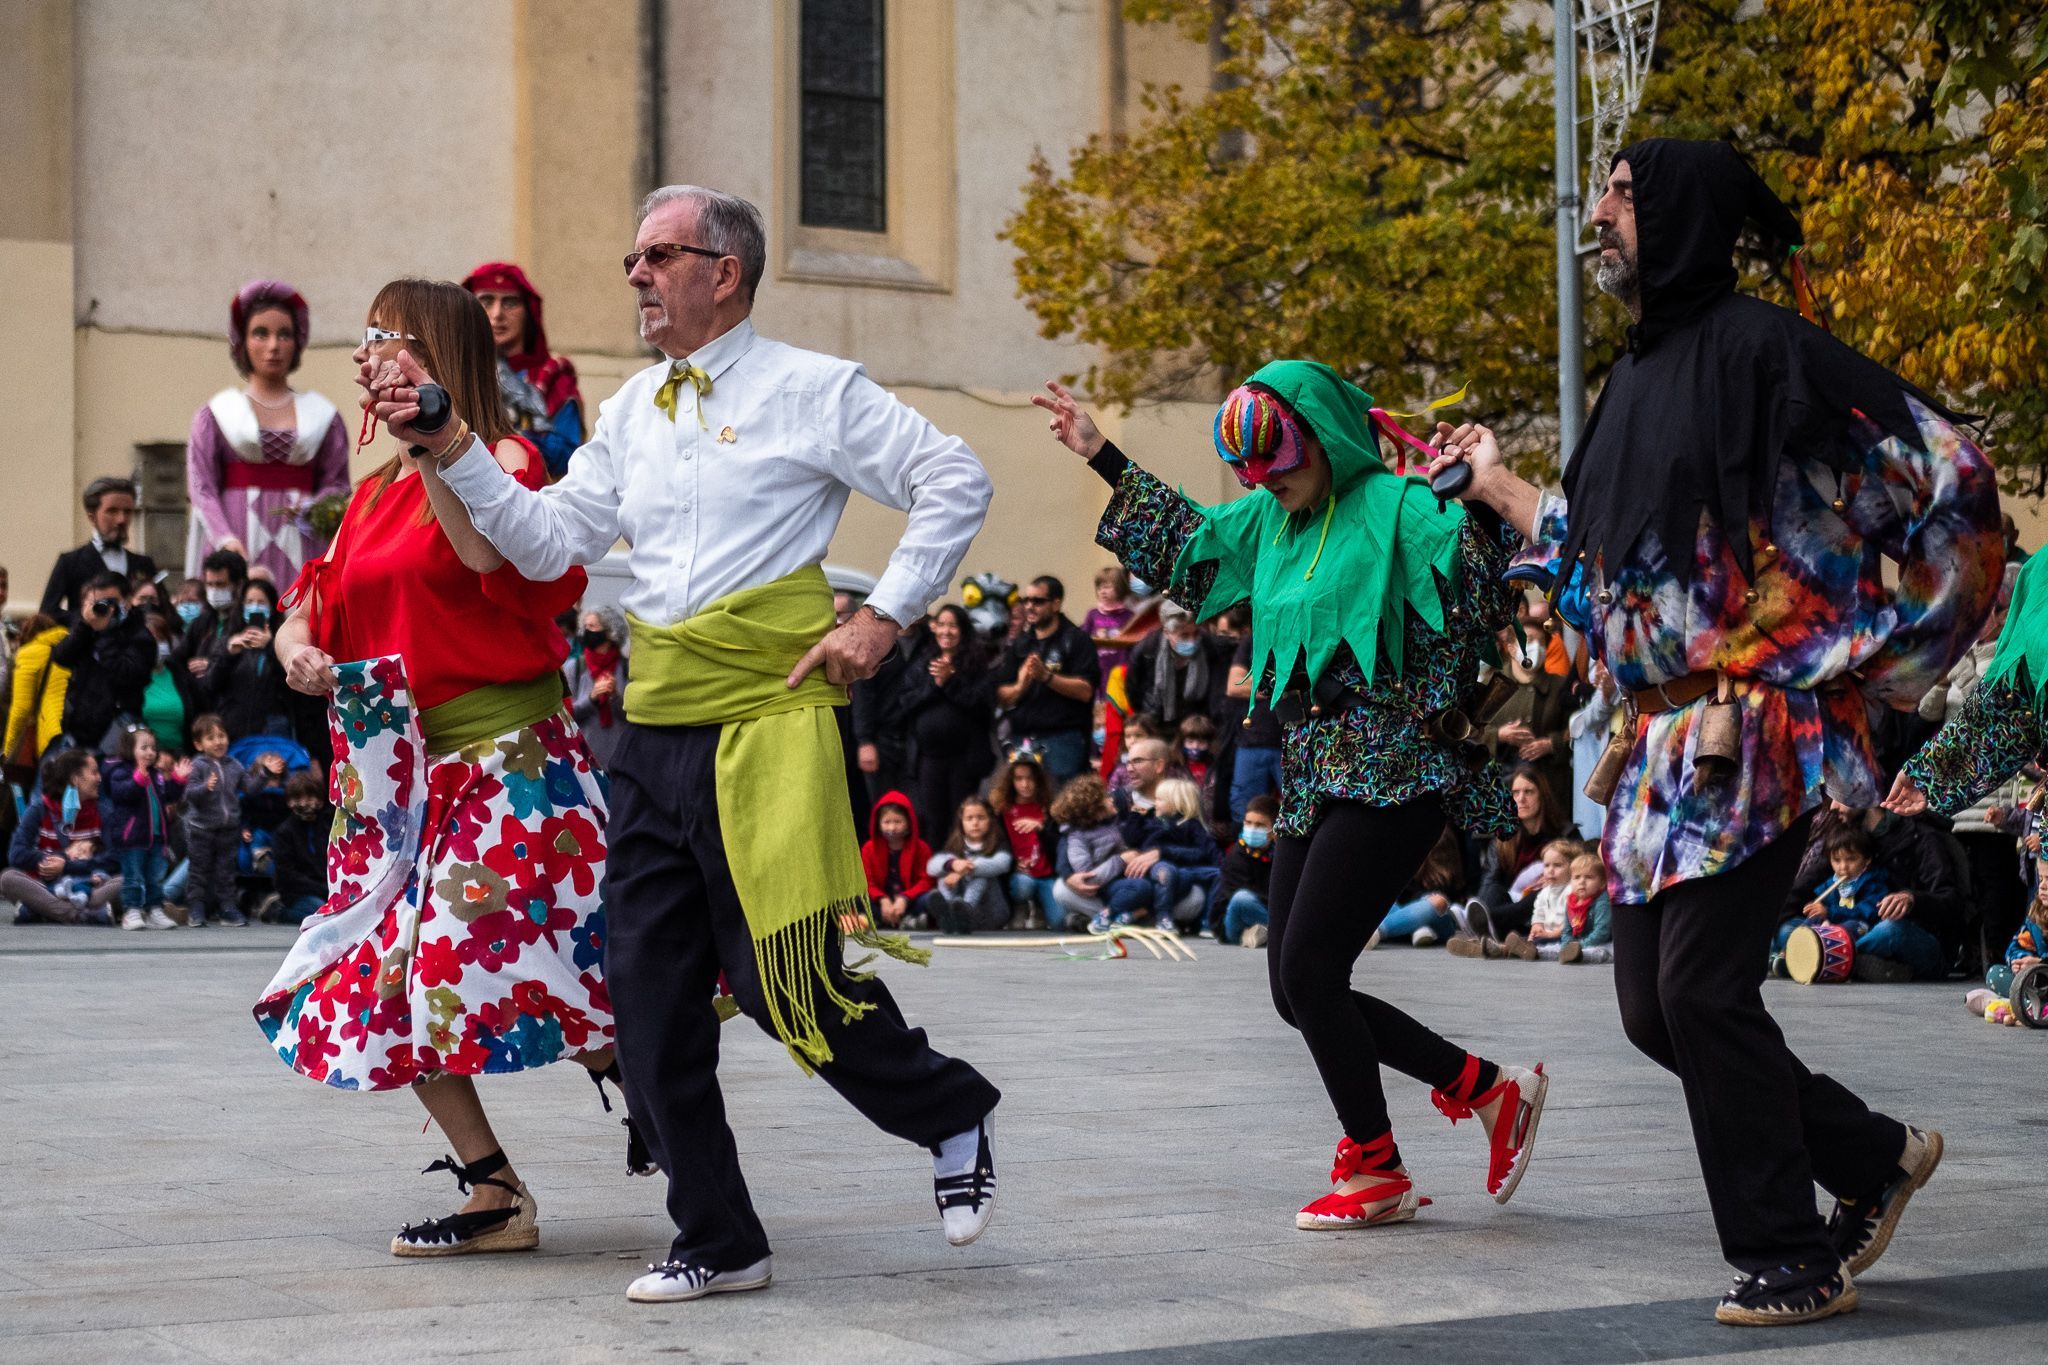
(1258, 437)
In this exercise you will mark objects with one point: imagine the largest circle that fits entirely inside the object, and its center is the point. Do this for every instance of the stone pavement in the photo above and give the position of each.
(173, 1194)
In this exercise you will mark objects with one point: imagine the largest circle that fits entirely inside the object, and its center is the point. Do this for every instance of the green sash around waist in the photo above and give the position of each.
(781, 784)
(484, 713)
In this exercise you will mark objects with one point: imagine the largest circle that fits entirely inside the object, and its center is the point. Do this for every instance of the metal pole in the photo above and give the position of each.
(1571, 363)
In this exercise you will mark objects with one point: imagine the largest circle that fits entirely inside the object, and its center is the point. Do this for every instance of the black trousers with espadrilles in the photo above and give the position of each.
(674, 924)
(1688, 968)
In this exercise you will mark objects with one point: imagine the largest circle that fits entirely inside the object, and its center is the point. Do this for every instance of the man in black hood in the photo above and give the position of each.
(1719, 543)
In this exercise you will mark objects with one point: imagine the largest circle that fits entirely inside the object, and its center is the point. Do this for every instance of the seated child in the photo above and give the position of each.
(1091, 848)
(1849, 900)
(1588, 916)
(1197, 740)
(140, 835)
(895, 859)
(2030, 944)
(299, 848)
(1237, 912)
(1547, 919)
(1183, 855)
(1019, 796)
(971, 870)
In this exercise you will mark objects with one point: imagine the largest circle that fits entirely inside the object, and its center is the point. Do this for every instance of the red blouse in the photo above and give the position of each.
(394, 586)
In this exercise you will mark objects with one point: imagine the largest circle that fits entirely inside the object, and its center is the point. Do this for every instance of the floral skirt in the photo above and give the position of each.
(464, 925)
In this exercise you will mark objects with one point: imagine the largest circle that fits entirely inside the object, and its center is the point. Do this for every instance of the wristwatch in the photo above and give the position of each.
(881, 615)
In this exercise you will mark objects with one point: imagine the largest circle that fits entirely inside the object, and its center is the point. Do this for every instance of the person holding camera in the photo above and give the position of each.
(243, 683)
(110, 654)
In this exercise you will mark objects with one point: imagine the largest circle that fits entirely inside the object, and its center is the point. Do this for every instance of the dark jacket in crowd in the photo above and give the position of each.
(246, 688)
(1171, 703)
(1245, 869)
(1914, 857)
(75, 569)
(137, 822)
(880, 718)
(952, 718)
(109, 669)
(298, 854)
(1182, 842)
(1042, 711)
(219, 805)
(24, 855)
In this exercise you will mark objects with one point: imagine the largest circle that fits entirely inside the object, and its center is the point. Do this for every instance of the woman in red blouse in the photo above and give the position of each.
(482, 949)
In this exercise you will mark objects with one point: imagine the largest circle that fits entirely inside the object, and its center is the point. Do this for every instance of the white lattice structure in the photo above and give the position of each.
(1618, 37)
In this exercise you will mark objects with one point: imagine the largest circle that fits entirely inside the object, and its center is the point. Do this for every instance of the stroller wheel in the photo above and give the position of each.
(2030, 996)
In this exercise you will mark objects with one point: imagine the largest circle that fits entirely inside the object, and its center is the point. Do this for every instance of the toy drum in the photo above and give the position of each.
(1819, 953)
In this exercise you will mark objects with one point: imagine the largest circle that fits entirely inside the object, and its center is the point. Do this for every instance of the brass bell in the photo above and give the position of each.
(1605, 597)
(1750, 596)
(1839, 505)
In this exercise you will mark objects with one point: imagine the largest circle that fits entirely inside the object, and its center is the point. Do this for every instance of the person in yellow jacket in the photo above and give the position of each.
(35, 711)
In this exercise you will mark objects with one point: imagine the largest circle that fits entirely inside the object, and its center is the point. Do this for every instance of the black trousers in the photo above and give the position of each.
(1329, 892)
(210, 886)
(674, 923)
(944, 780)
(1688, 968)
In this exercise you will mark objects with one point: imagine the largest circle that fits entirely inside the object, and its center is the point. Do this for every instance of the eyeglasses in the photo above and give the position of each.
(373, 335)
(1034, 601)
(659, 254)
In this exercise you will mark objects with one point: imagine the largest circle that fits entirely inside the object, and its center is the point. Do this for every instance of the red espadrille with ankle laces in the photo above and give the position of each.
(1512, 1136)
(1337, 1210)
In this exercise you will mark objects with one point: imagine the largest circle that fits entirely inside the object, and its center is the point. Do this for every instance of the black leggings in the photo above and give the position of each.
(1329, 892)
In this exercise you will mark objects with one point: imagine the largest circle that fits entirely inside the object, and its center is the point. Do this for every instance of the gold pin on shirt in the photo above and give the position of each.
(725, 436)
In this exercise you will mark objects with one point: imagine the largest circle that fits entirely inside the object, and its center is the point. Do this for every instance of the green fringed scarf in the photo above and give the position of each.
(2022, 653)
(1342, 573)
(781, 775)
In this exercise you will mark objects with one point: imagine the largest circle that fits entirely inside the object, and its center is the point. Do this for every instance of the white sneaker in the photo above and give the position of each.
(1373, 942)
(1423, 938)
(967, 1198)
(131, 918)
(159, 920)
(674, 1282)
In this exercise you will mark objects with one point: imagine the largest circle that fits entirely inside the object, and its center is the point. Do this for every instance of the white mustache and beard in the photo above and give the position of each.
(650, 323)
(1617, 275)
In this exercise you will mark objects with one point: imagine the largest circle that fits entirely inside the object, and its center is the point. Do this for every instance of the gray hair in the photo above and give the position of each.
(728, 224)
(614, 622)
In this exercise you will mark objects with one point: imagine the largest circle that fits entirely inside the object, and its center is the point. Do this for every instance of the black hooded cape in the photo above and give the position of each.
(1717, 387)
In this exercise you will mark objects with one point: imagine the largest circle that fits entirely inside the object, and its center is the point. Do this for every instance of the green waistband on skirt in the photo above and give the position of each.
(484, 713)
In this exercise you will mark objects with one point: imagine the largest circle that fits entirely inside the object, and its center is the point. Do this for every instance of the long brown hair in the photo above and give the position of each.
(451, 339)
(1520, 848)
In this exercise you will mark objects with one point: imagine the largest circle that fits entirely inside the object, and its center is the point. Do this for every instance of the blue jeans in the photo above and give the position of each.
(142, 877)
(1063, 752)
(1403, 920)
(1026, 889)
(1257, 774)
(174, 885)
(1904, 941)
(298, 909)
(1246, 908)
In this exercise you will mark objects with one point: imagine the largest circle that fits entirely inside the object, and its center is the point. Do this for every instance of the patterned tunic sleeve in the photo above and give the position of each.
(1487, 548)
(1984, 742)
(1146, 525)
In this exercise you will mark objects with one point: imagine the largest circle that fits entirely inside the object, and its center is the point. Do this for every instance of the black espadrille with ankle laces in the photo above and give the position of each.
(1788, 1295)
(512, 1228)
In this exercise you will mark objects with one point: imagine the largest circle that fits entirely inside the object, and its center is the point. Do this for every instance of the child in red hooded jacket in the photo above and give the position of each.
(895, 859)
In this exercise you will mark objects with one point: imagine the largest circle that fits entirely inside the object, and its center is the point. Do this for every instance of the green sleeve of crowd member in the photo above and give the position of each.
(1981, 745)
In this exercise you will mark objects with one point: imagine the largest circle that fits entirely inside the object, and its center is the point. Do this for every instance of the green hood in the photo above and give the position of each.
(1344, 573)
(2022, 654)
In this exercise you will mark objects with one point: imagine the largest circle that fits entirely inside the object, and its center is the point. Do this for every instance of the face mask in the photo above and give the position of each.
(595, 639)
(220, 598)
(188, 612)
(1196, 753)
(1255, 837)
(257, 614)
(1185, 648)
(1101, 737)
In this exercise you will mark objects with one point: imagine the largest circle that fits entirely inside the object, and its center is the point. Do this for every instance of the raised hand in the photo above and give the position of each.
(393, 397)
(1070, 426)
(1906, 797)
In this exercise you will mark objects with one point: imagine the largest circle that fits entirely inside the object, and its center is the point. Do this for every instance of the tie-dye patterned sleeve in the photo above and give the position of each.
(1146, 525)
(1539, 561)
(1935, 514)
(1981, 745)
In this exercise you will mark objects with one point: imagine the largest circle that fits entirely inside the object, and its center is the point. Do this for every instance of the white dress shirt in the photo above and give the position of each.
(115, 558)
(750, 495)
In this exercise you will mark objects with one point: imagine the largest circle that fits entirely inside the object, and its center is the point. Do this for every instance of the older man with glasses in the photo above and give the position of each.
(733, 849)
(1046, 682)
